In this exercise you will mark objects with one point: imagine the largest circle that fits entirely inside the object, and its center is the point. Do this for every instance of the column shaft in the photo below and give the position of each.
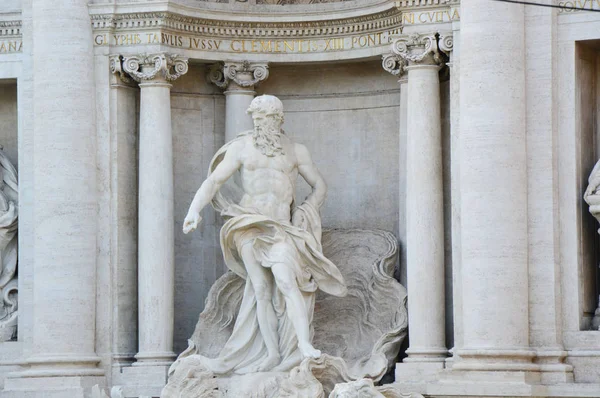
(493, 189)
(425, 217)
(64, 153)
(237, 101)
(156, 272)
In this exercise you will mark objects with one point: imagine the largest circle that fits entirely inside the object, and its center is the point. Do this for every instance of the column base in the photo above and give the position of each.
(553, 370)
(141, 379)
(421, 355)
(492, 360)
(60, 366)
(51, 387)
(154, 358)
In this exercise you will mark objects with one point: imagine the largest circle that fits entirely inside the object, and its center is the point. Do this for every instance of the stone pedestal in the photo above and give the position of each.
(238, 79)
(155, 213)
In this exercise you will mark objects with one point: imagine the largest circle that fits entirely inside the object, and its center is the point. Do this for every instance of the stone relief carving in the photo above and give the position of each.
(592, 198)
(244, 74)
(9, 195)
(256, 334)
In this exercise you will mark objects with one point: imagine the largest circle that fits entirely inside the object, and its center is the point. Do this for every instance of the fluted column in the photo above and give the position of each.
(239, 80)
(493, 189)
(421, 56)
(156, 270)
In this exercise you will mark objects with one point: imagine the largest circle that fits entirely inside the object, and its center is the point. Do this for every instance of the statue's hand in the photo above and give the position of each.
(191, 222)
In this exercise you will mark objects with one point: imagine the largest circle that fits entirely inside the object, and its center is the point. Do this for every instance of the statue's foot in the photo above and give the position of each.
(267, 364)
(308, 351)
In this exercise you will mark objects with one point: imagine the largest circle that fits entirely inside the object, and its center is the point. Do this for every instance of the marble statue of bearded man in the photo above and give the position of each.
(268, 241)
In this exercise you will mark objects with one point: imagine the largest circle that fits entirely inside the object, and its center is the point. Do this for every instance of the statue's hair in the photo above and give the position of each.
(269, 105)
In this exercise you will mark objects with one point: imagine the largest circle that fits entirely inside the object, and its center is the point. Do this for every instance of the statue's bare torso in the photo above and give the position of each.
(269, 182)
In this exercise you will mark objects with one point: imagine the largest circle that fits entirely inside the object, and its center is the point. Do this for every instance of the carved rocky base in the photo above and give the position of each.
(315, 378)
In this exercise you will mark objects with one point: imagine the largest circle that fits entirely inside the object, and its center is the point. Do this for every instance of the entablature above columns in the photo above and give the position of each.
(280, 38)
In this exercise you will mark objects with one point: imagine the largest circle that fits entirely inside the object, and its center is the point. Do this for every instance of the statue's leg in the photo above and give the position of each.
(296, 310)
(262, 282)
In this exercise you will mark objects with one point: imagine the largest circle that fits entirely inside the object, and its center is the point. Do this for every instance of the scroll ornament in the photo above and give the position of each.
(415, 49)
(245, 74)
(146, 67)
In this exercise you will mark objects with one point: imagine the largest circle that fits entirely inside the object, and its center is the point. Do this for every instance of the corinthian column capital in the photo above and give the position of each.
(423, 49)
(244, 74)
(149, 67)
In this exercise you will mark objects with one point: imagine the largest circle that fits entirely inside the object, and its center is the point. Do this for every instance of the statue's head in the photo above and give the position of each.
(267, 114)
(266, 108)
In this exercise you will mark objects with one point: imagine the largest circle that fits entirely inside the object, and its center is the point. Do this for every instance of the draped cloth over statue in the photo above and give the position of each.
(297, 246)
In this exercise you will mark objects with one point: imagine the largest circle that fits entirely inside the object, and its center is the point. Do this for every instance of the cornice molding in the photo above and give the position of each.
(10, 28)
(227, 29)
(425, 3)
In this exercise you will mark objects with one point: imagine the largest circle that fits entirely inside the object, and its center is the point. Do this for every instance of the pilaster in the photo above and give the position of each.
(61, 358)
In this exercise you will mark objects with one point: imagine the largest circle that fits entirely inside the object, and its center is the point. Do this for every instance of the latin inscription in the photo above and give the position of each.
(573, 5)
(249, 45)
(427, 17)
(11, 46)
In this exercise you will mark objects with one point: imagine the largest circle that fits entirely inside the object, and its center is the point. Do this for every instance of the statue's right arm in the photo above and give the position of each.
(229, 165)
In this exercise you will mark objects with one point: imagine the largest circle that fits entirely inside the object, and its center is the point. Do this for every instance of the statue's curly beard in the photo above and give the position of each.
(267, 138)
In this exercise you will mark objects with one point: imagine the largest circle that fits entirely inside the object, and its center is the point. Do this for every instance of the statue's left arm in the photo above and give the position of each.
(308, 170)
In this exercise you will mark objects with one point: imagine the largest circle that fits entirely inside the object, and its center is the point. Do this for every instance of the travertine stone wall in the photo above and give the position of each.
(198, 120)
(8, 119)
(10, 5)
(347, 116)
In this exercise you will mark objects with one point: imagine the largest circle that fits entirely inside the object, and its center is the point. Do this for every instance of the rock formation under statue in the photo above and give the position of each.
(255, 337)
